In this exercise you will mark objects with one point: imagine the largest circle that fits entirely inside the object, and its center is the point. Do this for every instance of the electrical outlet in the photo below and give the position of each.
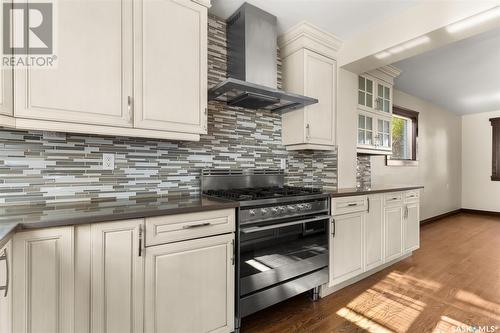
(283, 164)
(108, 161)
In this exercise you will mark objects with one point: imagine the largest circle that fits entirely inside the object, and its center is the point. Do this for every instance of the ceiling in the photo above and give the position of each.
(343, 18)
(462, 77)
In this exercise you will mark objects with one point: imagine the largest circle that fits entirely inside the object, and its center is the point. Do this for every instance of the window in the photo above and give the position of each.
(404, 131)
(495, 174)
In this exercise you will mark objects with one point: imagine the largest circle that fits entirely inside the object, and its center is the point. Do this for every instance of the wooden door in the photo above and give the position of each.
(346, 256)
(170, 82)
(190, 286)
(117, 277)
(43, 282)
(374, 233)
(320, 83)
(393, 217)
(91, 81)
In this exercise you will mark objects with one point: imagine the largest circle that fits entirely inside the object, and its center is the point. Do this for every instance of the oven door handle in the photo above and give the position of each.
(251, 230)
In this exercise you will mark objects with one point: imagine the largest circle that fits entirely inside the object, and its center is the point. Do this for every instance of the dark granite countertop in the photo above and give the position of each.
(348, 192)
(42, 216)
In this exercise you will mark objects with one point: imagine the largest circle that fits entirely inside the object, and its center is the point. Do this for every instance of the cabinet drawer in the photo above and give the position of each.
(412, 196)
(173, 228)
(393, 199)
(348, 205)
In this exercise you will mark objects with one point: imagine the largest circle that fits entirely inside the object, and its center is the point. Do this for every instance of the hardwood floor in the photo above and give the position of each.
(452, 282)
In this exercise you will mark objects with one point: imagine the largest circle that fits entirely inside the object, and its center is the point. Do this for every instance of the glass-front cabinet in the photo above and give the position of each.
(375, 99)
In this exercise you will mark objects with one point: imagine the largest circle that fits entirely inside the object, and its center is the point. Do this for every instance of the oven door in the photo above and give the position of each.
(276, 252)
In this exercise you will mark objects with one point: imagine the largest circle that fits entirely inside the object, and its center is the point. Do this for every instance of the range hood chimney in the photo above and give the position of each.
(252, 64)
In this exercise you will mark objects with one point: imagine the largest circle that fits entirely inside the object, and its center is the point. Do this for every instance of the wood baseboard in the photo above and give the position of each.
(440, 216)
(478, 211)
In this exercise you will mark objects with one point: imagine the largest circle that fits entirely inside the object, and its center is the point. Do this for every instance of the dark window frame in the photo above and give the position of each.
(413, 115)
(495, 151)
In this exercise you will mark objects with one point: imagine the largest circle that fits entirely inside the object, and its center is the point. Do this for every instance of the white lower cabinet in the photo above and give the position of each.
(370, 231)
(393, 232)
(117, 290)
(43, 281)
(346, 256)
(190, 286)
(374, 232)
(5, 288)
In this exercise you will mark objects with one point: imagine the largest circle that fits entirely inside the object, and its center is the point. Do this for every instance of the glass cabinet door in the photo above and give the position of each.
(383, 101)
(365, 130)
(365, 92)
(383, 133)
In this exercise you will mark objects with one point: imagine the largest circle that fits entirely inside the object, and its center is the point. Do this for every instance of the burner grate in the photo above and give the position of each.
(244, 194)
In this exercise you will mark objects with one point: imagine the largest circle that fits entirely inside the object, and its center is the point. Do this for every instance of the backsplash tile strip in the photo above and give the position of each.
(38, 170)
(363, 171)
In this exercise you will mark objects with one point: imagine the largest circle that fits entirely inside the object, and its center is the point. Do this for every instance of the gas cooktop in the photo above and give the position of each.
(268, 192)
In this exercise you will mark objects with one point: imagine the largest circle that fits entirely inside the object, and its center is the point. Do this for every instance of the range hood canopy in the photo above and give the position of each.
(252, 65)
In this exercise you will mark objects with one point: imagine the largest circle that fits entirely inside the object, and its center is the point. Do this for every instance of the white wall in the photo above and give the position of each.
(347, 128)
(478, 191)
(439, 154)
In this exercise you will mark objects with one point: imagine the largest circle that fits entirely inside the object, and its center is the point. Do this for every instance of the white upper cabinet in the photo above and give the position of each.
(170, 66)
(310, 69)
(92, 79)
(375, 111)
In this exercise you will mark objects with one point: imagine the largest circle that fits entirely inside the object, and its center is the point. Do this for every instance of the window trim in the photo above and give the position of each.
(495, 160)
(413, 115)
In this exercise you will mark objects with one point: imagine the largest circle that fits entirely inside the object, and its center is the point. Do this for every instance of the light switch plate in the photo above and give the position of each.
(108, 161)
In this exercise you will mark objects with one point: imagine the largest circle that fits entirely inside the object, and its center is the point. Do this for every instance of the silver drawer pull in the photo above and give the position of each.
(412, 196)
(6, 287)
(189, 226)
(392, 199)
(352, 204)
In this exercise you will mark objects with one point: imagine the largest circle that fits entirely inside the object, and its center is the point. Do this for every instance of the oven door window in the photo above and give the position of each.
(274, 253)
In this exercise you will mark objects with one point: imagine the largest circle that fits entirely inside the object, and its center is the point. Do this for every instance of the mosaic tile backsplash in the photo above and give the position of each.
(363, 171)
(38, 170)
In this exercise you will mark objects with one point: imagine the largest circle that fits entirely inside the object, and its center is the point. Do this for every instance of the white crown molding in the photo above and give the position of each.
(386, 73)
(305, 35)
(206, 3)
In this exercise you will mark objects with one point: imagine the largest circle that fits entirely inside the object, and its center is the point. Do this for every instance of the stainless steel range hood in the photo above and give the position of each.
(252, 64)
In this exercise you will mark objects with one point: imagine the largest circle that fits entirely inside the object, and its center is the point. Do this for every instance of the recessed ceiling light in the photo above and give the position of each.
(474, 20)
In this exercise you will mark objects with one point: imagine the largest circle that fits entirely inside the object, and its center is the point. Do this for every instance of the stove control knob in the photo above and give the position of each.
(251, 212)
(308, 206)
(301, 206)
(264, 211)
(282, 209)
(274, 210)
(292, 208)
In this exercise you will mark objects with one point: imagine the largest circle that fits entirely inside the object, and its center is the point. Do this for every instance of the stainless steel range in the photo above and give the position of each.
(282, 235)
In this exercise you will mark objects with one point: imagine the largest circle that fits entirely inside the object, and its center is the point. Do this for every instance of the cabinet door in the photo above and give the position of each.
(170, 81)
(384, 138)
(383, 102)
(6, 294)
(190, 286)
(6, 92)
(43, 280)
(393, 217)
(91, 82)
(374, 233)
(320, 83)
(412, 227)
(346, 256)
(366, 128)
(117, 277)
(366, 93)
